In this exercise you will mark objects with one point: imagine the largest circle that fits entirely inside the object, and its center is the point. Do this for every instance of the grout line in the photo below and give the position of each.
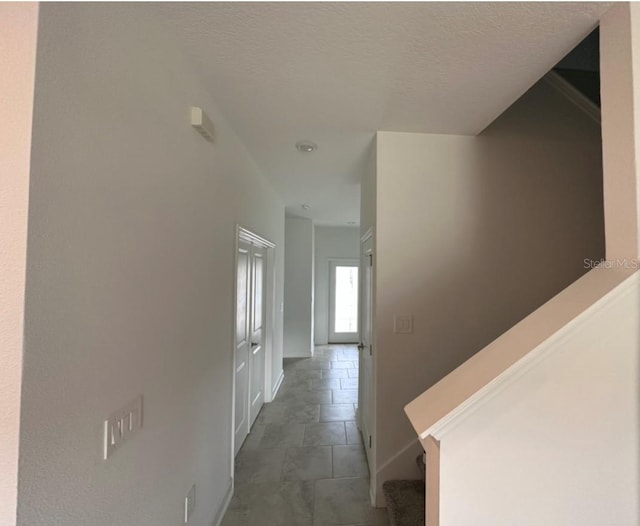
(332, 469)
(284, 462)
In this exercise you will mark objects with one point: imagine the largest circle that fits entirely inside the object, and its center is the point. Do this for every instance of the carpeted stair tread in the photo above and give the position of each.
(405, 502)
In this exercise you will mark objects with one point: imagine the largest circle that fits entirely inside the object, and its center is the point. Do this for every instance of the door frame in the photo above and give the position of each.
(242, 405)
(364, 260)
(243, 234)
(355, 338)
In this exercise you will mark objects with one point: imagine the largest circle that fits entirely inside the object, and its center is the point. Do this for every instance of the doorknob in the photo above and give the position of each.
(361, 346)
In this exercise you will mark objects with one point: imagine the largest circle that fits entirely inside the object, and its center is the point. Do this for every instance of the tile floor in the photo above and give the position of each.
(303, 464)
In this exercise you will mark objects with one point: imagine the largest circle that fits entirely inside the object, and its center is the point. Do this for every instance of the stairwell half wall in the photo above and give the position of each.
(473, 234)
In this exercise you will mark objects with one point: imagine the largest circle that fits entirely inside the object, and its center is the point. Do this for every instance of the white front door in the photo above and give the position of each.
(366, 397)
(257, 355)
(242, 350)
(343, 301)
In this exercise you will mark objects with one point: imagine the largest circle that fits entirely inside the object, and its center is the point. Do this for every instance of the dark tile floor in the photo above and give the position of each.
(303, 464)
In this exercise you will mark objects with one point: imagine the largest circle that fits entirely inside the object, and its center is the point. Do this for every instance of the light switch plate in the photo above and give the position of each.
(121, 426)
(403, 324)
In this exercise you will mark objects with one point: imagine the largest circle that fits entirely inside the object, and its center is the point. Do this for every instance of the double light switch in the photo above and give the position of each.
(403, 324)
(121, 426)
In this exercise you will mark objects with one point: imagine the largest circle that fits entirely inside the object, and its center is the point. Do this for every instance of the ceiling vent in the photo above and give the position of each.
(202, 123)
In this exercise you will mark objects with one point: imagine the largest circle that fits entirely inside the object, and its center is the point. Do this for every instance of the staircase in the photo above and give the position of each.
(406, 499)
(550, 402)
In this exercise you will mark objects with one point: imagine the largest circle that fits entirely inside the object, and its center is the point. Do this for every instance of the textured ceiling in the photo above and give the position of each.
(337, 72)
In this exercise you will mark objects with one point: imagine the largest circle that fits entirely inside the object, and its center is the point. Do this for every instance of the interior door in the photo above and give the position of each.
(257, 351)
(366, 398)
(343, 301)
(242, 350)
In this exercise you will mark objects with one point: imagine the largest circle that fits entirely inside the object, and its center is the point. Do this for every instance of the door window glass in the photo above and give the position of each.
(346, 300)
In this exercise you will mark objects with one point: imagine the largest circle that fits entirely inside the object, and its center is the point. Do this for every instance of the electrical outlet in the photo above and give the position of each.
(121, 426)
(189, 503)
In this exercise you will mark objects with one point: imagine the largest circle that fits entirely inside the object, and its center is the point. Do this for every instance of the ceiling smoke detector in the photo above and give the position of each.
(306, 206)
(306, 146)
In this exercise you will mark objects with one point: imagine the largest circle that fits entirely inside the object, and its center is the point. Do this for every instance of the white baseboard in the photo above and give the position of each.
(224, 505)
(372, 495)
(276, 387)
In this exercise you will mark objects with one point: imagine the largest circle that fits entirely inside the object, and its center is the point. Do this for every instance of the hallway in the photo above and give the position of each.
(303, 464)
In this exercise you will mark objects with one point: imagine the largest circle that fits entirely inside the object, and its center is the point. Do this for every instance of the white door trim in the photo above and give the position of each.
(366, 235)
(367, 254)
(248, 236)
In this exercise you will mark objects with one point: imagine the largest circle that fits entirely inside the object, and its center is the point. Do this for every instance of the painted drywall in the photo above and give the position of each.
(336, 71)
(474, 233)
(298, 287)
(130, 275)
(18, 36)
(331, 243)
(620, 97)
(368, 189)
(506, 355)
(561, 442)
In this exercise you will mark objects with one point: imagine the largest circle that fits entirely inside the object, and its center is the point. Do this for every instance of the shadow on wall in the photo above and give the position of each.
(506, 221)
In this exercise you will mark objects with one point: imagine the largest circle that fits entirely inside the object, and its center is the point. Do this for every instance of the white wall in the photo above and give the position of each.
(368, 191)
(331, 242)
(18, 35)
(560, 444)
(130, 275)
(474, 233)
(298, 287)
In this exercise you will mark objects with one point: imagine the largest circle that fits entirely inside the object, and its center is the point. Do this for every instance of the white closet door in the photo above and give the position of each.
(242, 350)
(257, 354)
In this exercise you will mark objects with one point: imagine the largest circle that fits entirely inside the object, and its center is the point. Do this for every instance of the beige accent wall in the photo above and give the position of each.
(130, 275)
(474, 233)
(18, 36)
(620, 60)
(509, 353)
